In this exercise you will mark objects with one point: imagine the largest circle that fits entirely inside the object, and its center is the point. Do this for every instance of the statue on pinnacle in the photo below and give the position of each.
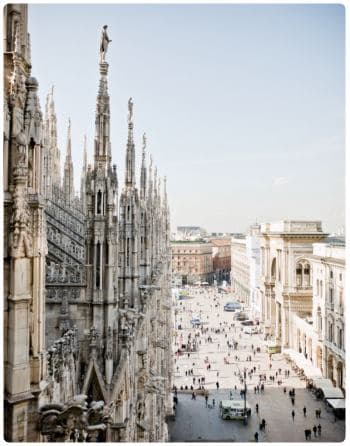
(104, 44)
(130, 108)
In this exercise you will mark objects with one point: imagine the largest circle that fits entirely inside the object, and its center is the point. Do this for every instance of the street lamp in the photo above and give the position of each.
(245, 401)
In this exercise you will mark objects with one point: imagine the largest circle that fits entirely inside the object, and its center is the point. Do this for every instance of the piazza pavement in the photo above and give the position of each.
(195, 422)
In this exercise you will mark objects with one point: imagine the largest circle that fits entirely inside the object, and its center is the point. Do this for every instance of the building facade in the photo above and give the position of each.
(240, 271)
(221, 259)
(286, 275)
(192, 261)
(87, 352)
(328, 268)
(253, 256)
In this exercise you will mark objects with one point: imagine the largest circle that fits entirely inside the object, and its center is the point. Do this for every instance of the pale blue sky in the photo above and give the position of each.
(243, 105)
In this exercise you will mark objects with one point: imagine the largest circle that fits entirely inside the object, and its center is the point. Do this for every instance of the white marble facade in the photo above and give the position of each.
(86, 280)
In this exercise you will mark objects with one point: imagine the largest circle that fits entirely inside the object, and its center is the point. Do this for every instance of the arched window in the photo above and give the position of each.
(298, 273)
(306, 275)
(99, 202)
(273, 270)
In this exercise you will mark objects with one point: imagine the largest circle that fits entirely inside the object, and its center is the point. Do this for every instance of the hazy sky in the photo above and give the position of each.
(243, 105)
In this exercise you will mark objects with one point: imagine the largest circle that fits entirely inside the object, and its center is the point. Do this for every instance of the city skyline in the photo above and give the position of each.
(243, 105)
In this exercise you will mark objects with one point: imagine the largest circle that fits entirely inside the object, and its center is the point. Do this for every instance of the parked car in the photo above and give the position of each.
(251, 330)
(232, 306)
(196, 321)
(247, 323)
(240, 317)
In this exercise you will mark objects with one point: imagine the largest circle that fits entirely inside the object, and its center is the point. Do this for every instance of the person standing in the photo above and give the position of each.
(293, 414)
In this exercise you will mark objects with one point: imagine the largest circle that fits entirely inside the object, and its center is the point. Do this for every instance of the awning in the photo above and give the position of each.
(309, 370)
(322, 382)
(332, 392)
(336, 403)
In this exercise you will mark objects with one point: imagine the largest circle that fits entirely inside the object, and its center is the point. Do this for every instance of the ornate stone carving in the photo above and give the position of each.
(21, 240)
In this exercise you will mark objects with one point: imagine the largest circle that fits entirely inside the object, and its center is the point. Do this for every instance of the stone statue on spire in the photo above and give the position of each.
(130, 107)
(144, 141)
(104, 43)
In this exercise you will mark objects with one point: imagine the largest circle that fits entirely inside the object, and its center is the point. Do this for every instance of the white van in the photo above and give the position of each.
(234, 410)
(251, 330)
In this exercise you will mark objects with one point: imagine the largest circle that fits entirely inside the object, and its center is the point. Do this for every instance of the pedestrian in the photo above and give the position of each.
(206, 400)
(262, 388)
(257, 408)
(194, 380)
(293, 401)
(217, 385)
(284, 390)
(263, 423)
(304, 410)
(319, 413)
(256, 437)
(255, 389)
(186, 372)
(307, 434)
(319, 428)
(213, 402)
(315, 430)
(293, 414)
(193, 396)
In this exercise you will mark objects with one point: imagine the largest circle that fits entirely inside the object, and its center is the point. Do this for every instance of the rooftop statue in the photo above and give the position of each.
(130, 107)
(104, 43)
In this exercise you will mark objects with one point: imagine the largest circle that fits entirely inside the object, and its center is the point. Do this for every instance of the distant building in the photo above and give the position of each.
(221, 258)
(191, 262)
(253, 257)
(191, 233)
(240, 269)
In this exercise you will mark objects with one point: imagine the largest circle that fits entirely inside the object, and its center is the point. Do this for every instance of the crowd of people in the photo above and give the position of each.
(197, 377)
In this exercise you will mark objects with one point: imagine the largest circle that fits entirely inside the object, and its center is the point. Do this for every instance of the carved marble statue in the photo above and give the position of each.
(104, 43)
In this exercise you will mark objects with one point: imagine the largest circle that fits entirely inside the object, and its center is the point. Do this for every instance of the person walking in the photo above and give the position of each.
(213, 402)
(315, 430)
(319, 428)
(292, 399)
(256, 437)
(293, 414)
(257, 408)
(193, 396)
(304, 410)
(206, 400)
(217, 385)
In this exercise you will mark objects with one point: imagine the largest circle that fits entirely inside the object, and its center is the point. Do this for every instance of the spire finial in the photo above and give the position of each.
(130, 110)
(104, 44)
(144, 142)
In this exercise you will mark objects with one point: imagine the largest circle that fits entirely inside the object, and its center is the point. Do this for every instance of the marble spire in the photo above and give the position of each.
(143, 176)
(130, 149)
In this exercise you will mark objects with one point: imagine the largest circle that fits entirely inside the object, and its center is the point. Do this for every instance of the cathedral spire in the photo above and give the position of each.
(84, 156)
(150, 183)
(68, 179)
(143, 178)
(102, 121)
(130, 149)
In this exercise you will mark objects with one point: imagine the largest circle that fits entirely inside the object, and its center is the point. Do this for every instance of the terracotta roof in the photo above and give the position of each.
(221, 241)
